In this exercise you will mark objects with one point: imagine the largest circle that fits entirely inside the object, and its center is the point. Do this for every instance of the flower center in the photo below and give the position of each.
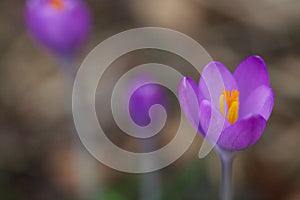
(57, 4)
(229, 105)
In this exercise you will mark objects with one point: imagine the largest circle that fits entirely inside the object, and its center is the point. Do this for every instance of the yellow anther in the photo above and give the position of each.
(222, 104)
(233, 113)
(232, 101)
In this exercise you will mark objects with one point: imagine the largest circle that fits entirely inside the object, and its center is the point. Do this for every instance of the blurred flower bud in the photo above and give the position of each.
(60, 25)
(143, 98)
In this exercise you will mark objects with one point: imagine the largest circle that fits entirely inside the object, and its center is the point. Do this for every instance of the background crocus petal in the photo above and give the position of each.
(250, 74)
(211, 120)
(260, 101)
(63, 30)
(188, 99)
(214, 78)
(242, 134)
(141, 101)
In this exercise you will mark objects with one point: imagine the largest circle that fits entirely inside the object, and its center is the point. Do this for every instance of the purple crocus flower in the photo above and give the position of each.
(146, 93)
(60, 25)
(243, 101)
(145, 96)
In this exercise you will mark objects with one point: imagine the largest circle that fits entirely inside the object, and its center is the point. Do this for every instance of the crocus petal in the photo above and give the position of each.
(242, 134)
(260, 101)
(214, 78)
(62, 30)
(188, 99)
(141, 101)
(212, 121)
(250, 74)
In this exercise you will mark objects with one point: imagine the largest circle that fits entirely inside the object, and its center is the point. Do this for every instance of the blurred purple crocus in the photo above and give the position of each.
(244, 100)
(145, 96)
(60, 25)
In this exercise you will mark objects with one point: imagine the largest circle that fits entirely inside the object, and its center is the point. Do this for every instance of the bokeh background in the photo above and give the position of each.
(37, 136)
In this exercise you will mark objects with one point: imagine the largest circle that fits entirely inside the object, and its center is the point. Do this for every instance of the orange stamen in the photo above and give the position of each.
(57, 4)
(232, 101)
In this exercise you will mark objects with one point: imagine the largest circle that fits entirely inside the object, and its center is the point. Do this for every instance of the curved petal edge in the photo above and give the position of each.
(242, 134)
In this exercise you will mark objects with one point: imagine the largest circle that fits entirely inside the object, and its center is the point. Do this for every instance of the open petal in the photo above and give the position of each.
(188, 99)
(250, 74)
(242, 134)
(214, 78)
(212, 121)
(260, 101)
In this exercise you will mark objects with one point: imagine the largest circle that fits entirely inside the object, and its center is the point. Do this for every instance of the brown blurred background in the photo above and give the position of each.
(37, 159)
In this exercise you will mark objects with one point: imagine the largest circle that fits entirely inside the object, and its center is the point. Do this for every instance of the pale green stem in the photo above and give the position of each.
(151, 183)
(226, 158)
(87, 172)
